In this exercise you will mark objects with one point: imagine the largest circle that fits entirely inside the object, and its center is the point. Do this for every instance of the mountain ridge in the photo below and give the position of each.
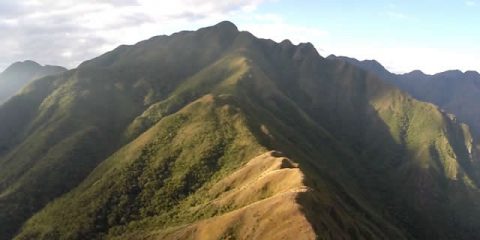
(453, 90)
(158, 139)
(379, 65)
(19, 74)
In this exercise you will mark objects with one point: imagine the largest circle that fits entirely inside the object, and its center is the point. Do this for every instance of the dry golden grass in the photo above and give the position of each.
(264, 195)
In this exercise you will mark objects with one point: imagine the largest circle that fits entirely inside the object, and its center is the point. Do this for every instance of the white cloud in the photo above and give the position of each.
(282, 31)
(67, 54)
(70, 31)
(470, 3)
(396, 58)
(272, 26)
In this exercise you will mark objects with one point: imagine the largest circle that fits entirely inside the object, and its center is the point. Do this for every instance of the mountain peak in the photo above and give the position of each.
(368, 64)
(226, 26)
(18, 66)
(29, 62)
(305, 50)
(375, 65)
(415, 73)
(286, 42)
(20, 74)
(451, 74)
(332, 57)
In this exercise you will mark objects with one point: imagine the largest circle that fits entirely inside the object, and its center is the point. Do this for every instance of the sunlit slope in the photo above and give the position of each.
(149, 181)
(59, 128)
(173, 125)
(190, 173)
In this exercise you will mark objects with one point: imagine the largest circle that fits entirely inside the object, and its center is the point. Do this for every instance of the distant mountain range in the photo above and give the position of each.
(454, 91)
(21, 73)
(217, 134)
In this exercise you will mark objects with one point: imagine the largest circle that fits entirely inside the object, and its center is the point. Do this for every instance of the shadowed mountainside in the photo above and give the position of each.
(181, 135)
(454, 91)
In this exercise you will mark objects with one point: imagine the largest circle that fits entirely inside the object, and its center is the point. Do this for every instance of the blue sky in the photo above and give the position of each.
(404, 35)
(432, 36)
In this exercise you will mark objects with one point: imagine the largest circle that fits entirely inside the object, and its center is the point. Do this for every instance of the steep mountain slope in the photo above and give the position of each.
(20, 74)
(173, 138)
(453, 91)
(60, 127)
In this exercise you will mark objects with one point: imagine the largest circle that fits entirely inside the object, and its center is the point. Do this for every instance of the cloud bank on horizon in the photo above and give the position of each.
(68, 32)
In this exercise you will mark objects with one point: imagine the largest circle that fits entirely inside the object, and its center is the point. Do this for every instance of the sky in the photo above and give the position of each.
(403, 35)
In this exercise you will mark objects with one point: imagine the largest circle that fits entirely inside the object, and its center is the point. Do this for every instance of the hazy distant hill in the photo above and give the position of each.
(216, 134)
(21, 73)
(454, 91)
